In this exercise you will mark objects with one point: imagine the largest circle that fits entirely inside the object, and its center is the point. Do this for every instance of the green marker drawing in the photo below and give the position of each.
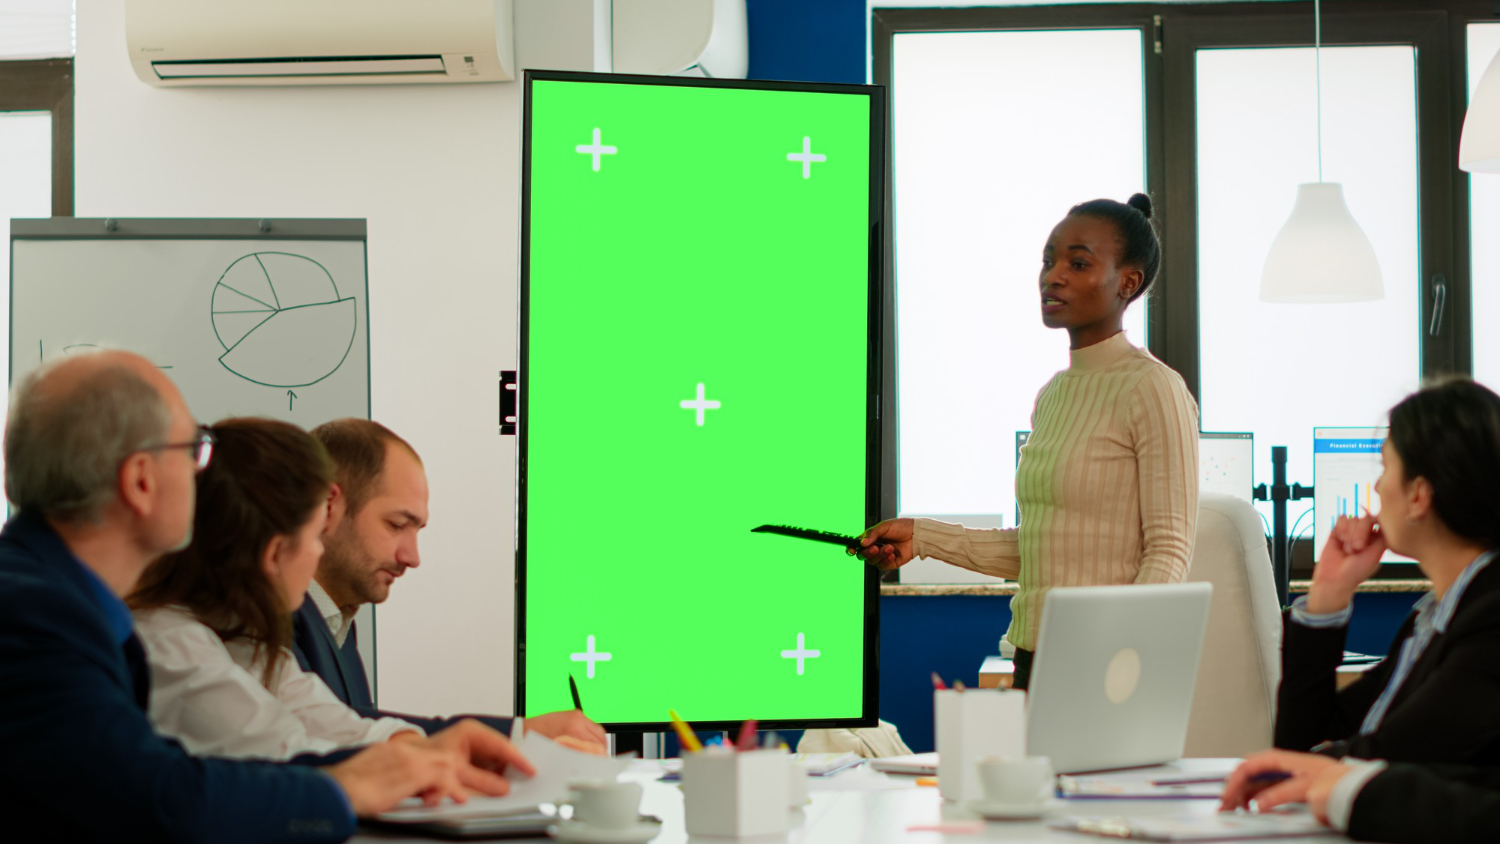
(281, 320)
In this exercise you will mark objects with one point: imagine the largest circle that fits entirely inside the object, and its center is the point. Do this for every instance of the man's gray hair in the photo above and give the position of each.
(64, 447)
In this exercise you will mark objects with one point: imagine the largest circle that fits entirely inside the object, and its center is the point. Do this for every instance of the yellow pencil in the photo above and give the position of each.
(689, 741)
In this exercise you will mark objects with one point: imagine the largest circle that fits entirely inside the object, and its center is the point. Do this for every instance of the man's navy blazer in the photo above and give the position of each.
(81, 761)
(344, 671)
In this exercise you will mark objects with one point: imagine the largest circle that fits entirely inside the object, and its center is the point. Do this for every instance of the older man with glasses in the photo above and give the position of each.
(100, 457)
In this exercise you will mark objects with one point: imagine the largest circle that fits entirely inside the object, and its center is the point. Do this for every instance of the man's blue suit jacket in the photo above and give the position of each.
(344, 671)
(79, 761)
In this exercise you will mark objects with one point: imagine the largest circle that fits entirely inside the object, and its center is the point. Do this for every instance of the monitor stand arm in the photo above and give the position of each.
(1281, 546)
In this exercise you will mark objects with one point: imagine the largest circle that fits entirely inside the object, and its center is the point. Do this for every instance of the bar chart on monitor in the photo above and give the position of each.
(1346, 466)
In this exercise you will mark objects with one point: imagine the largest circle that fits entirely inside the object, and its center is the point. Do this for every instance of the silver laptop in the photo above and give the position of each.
(1113, 680)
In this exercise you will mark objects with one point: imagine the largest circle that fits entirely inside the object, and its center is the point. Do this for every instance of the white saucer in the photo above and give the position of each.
(574, 832)
(1010, 811)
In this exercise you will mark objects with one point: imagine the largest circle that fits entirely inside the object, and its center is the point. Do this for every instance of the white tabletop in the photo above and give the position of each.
(860, 805)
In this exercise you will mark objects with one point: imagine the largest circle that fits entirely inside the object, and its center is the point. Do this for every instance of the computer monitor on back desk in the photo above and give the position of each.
(1346, 465)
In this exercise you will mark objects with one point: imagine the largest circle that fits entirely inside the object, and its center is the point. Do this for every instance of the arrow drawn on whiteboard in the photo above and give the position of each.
(290, 397)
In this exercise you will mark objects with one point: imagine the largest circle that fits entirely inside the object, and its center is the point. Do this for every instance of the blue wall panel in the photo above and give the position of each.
(807, 40)
(949, 634)
(952, 634)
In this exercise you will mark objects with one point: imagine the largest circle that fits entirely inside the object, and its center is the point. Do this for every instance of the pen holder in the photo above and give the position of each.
(974, 725)
(736, 795)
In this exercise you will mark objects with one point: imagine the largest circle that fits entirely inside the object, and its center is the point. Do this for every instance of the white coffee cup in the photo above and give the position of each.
(606, 805)
(1016, 780)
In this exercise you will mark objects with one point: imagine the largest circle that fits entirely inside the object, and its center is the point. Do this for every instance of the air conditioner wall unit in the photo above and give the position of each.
(319, 42)
(681, 37)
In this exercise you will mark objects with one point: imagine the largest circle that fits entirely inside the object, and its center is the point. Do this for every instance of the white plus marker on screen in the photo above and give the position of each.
(699, 404)
(591, 656)
(801, 653)
(597, 149)
(806, 156)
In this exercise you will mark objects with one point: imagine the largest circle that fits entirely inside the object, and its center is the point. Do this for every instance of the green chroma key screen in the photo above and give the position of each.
(697, 360)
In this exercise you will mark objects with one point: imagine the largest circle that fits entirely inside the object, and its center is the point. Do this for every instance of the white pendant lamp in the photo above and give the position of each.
(1321, 254)
(1479, 145)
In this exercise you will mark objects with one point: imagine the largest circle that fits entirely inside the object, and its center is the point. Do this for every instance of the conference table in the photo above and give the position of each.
(863, 806)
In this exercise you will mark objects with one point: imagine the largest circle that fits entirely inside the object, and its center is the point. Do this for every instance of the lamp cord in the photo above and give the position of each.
(1318, 65)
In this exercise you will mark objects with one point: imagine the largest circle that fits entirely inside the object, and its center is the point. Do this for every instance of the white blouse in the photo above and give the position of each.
(207, 694)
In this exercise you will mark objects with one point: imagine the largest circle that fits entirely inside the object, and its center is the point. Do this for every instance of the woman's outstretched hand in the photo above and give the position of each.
(887, 545)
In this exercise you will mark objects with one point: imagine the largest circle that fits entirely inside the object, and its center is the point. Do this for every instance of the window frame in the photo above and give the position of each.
(885, 25)
(1437, 29)
(1437, 145)
(46, 85)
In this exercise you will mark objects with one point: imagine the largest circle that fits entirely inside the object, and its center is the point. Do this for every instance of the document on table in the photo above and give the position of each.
(860, 779)
(556, 766)
(826, 764)
(1227, 826)
(1162, 782)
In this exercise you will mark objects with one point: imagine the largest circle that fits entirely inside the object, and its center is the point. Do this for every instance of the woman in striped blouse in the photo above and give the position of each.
(1108, 480)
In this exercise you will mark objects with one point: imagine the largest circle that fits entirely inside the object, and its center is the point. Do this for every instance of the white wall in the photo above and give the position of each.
(435, 170)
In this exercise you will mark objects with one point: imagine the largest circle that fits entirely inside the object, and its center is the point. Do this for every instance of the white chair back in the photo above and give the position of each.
(1234, 703)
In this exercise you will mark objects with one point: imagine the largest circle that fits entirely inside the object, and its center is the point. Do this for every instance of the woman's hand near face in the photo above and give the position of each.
(1350, 557)
(889, 544)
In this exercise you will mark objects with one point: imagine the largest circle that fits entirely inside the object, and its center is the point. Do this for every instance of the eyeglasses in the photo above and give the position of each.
(202, 448)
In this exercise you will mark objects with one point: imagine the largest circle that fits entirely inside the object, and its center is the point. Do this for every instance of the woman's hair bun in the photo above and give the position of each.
(1141, 203)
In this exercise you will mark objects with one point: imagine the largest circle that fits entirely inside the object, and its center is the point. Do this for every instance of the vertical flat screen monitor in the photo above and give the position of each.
(1346, 464)
(1226, 463)
(699, 356)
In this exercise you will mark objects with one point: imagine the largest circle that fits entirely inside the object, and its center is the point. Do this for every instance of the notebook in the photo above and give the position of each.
(1215, 827)
(920, 764)
(825, 764)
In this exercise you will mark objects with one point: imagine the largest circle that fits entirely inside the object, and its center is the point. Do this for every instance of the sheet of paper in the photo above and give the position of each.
(556, 766)
(861, 778)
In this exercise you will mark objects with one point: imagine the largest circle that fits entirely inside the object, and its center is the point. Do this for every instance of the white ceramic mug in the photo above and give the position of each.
(606, 805)
(1016, 780)
(796, 780)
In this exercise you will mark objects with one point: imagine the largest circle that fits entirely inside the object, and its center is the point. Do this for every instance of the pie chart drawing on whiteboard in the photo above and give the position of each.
(281, 320)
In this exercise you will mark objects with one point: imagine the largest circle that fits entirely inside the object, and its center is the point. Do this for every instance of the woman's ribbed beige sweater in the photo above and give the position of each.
(1107, 485)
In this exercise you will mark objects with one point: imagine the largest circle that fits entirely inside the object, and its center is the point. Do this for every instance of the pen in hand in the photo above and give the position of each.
(573, 687)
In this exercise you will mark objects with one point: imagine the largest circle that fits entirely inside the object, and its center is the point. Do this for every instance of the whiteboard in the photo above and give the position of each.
(248, 317)
(246, 322)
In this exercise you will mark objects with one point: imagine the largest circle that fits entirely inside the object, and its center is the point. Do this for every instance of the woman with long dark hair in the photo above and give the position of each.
(215, 616)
